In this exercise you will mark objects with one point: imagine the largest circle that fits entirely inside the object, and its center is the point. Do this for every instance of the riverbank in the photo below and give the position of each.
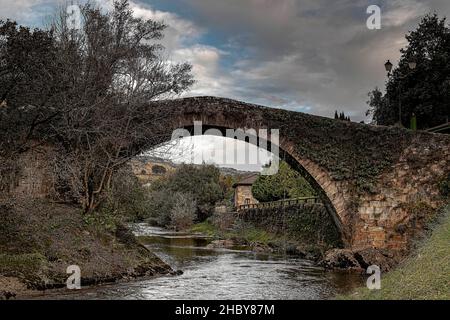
(216, 273)
(258, 240)
(305, 230)
(39, 240)
(424, 275)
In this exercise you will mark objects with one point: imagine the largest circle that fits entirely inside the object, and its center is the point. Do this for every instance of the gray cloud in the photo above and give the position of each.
(313, 53)
(306, 55)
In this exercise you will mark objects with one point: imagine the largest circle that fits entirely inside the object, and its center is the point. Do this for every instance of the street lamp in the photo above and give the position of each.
(388, 66)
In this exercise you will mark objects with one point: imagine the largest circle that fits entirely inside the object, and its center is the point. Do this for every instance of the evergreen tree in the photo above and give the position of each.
(424, 91)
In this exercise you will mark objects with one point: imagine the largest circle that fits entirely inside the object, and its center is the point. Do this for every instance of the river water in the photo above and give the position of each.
(221, 273)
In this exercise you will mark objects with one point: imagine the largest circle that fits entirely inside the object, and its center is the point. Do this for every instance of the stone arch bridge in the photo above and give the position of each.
(377, 182)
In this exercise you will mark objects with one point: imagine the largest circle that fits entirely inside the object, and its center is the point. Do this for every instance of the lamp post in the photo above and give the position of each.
(388, 66)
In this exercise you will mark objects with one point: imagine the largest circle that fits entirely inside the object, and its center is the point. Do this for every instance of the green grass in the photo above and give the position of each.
(245, 232)
(205, 227)
(252, 234)
(424, 275)
(21, 265)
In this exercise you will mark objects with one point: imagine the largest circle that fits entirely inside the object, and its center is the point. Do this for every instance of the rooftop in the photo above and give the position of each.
(247, 181)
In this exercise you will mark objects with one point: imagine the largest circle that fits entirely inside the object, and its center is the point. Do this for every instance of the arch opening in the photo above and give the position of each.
(266, 144)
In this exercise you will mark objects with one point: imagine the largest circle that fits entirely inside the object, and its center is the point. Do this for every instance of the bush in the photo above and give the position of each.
(182, 215)
(158, 208)
(202, 182)
(126, 197)
(102, 220)
(191, 193)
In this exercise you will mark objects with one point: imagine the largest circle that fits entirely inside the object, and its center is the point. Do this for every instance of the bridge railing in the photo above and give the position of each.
(279, 203)
(439, 128)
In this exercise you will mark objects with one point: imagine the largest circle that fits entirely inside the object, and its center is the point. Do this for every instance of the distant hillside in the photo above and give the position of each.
(148, 168)
(233, 172)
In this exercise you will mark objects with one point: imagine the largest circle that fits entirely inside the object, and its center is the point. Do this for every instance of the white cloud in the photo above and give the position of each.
(179, 32)
(180, 41)
(210, 78)
(20, 10)
(221, 151)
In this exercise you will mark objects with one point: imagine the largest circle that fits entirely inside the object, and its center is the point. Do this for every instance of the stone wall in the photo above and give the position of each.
(406, 198)
(307, 222)
(396, 208)
(241, 193)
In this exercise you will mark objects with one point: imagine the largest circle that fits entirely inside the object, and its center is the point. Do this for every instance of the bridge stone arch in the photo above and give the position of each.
(381, 184)
(368, 176)
(317, 178)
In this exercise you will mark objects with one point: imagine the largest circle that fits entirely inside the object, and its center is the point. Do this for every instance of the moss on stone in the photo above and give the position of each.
(424, 275)
(307, 223)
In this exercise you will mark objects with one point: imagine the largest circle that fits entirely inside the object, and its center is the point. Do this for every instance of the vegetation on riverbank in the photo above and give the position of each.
(245, 233)
(235, 231)
(64, 117)
(423, 275)
(174, 201)
(39, 240)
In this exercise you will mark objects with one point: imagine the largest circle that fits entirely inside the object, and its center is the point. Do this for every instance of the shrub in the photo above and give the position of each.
(202, 182)
(163, 203)
(102, 220)
(182, 215)
(126, 197)
(159, 207)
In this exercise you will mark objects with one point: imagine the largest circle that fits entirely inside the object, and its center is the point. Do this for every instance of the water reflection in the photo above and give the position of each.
(222, 273)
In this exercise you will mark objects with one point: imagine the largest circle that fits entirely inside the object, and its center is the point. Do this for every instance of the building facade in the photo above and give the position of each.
(243, 191)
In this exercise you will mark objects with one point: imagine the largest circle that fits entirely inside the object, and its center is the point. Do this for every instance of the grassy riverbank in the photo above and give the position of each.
(424, 275)
(258, 239)
(246, 233)
(39, 240)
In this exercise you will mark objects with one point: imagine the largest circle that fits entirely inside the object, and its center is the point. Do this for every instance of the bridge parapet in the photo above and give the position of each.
(279, 203)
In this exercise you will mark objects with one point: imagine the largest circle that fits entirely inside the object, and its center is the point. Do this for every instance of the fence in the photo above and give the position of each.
(445, 127)
(279, 203)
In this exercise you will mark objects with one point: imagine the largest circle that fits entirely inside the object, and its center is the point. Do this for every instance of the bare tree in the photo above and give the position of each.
(96, 83)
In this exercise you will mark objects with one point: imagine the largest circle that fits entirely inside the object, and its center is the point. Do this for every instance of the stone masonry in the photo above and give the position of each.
(380, 184)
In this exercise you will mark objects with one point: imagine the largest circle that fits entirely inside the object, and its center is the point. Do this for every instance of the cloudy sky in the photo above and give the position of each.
(313, 56)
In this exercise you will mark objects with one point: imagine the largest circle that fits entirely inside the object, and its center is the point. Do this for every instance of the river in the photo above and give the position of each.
(221, 273)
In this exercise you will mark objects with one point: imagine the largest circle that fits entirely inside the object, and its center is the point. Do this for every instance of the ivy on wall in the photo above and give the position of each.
(285, 184)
